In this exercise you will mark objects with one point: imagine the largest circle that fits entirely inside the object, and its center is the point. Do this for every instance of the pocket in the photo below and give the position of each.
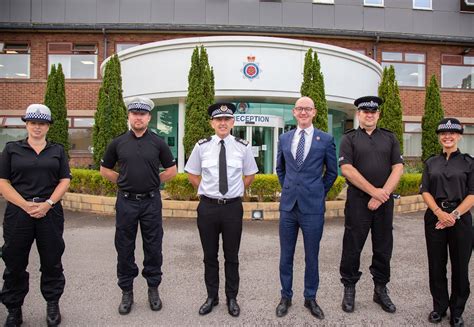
(237, 164)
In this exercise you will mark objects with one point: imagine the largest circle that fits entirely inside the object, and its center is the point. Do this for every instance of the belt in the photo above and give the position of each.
(137, 196)
(218, 201)
(37, 199)
(448, 204)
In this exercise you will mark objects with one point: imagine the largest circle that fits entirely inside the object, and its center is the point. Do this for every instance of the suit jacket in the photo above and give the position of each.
(308, 184)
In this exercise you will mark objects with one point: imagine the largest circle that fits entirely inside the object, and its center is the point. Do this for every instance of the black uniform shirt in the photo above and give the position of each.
(449, 180)
(30, 174)
(139, 160)
(372, 155)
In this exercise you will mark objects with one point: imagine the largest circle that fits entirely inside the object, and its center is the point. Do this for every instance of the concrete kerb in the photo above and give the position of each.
(187, 209)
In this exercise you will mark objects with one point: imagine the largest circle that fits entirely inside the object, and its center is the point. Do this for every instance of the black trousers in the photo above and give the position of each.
(19, 232)
(359, 220)
(129, 213)
(214, 219)
(458, 240)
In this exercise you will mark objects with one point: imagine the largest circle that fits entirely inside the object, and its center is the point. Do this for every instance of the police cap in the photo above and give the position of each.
(450, 125)
(368, 103)
(38, 112)
(140, 104)
(221, 109)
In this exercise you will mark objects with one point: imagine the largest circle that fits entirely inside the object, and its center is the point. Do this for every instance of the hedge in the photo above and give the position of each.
(265, 187)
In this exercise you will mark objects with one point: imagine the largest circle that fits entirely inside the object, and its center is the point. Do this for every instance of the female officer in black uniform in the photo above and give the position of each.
(34, 175)
(448, 190)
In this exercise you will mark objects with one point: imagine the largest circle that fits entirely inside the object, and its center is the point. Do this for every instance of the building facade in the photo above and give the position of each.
(256, 49)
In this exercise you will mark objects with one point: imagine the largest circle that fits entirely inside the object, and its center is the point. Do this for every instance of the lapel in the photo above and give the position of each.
(287, 147)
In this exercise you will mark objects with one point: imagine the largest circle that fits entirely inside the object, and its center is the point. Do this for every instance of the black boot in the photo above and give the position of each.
(381, 297)
(154, 299)
(349, 298)
(14, 317)
(126, 304)
(53, 315)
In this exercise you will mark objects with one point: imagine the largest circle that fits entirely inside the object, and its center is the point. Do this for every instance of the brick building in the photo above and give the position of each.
(354, 39)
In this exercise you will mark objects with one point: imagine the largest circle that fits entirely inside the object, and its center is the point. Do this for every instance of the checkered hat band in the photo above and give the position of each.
(370, 104)
(37, 116)
(139, 106)
(220, 112)
(454, 127)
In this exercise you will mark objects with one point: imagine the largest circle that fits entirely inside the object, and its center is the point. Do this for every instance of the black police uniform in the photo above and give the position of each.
(373, 156)
(34, 177)
(449, 182)
(138, 200)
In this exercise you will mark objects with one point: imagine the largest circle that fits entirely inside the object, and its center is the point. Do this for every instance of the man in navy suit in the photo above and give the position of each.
(306, 168)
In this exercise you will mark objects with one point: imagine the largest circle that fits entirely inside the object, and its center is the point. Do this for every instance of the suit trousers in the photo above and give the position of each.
(458, 240)
(359, 220)
(147, 212)
(214, 219)
(19, 231)
(312, 229)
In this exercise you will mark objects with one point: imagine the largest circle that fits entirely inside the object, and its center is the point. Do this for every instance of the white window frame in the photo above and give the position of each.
(381, 4)
(415, 6)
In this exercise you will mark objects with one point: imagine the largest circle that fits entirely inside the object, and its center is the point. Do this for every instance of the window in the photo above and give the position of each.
(123, 46)
(377, 3)
(328, 2)
(467, 5)
(80, 133)
(409, 67)
(457, 71)
(14, 60)
(466, 144)
(77, 60)
(412, 140)
(11, 129)
(422, 4)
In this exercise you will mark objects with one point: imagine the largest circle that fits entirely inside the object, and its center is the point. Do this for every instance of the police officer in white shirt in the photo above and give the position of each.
(215, 167)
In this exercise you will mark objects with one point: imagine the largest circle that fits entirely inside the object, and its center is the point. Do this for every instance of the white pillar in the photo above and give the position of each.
(356, 120)
(181, 112)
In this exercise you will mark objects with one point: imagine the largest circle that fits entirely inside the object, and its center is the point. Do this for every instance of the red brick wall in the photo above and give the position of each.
(82, 94)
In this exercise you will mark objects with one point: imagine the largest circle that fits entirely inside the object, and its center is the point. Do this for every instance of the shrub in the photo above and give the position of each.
(265, 188)
(409, 184)
(91, 182)
(179, 188)
(336, 188)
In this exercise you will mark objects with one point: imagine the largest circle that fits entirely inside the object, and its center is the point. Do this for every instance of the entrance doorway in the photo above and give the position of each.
(262, 135)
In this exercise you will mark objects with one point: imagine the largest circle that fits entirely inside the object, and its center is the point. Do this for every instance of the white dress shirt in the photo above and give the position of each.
(204, 161)
(308, 133)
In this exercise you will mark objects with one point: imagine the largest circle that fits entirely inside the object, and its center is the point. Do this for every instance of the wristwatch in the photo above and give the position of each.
(456, 214)
(50, 202)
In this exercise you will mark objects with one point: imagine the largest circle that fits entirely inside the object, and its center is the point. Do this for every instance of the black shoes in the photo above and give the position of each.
(282, 307)
(233, 307)
(154, 299)
(381, 297)
(126, 304)
(208, 305)
(456, 322)
(349, 298)
(314, 308)
(436, 317)
(53, 315)
(14, 318)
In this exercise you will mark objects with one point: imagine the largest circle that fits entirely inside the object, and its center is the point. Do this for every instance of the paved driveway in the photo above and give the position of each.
(91, 296)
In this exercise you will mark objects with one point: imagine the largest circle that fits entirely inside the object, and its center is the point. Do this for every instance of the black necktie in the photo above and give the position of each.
(223, 187)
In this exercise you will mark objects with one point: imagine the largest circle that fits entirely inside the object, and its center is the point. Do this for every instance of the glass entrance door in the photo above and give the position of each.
(261, 138)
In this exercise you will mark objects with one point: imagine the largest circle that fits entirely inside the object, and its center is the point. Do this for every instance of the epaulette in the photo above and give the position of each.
(242, 141)
(387, 130)
(349, 131)
(468, 157)
(202, 141)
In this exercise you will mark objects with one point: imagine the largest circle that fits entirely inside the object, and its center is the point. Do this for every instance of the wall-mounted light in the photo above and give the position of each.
(257, 214)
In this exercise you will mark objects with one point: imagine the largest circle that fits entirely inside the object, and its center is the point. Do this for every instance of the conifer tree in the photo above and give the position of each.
(200, 97)
(55, 99)
(110, 118)
(432, 115)
(313, 87)
(391, 108)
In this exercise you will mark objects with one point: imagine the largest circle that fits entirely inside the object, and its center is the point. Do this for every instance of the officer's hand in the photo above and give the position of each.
(440, 225)
(40, 211)
(444, 217)
(374, 204)
(29, 206)
(381, 195)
